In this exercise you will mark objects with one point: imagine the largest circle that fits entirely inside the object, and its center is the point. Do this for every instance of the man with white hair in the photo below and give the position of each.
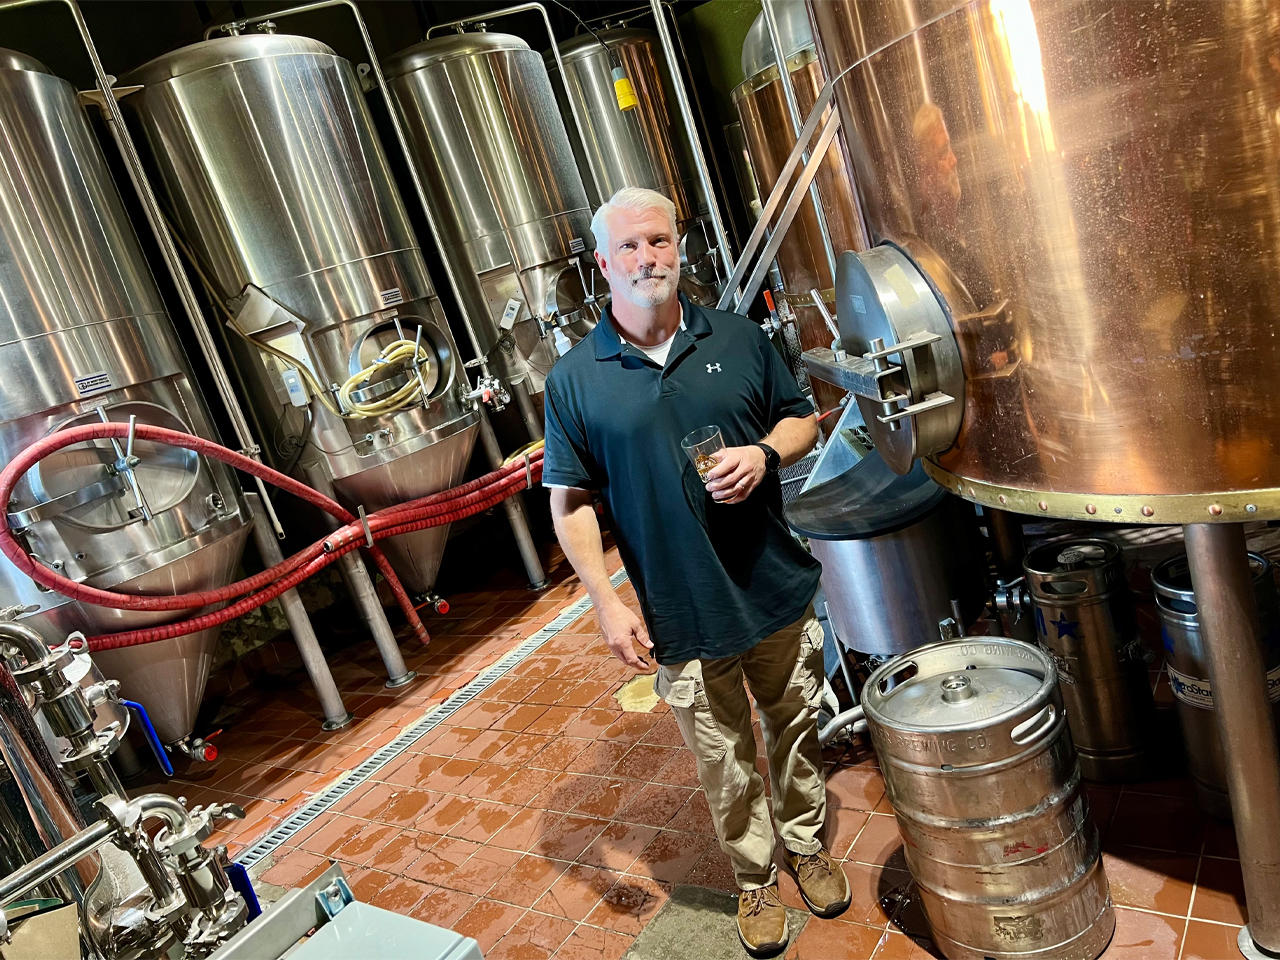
(725, 590)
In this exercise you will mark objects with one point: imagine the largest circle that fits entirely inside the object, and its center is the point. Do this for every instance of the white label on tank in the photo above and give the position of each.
(391, 297)
(510, 313)
(92, 383)
(577, 245)
(1199, 693)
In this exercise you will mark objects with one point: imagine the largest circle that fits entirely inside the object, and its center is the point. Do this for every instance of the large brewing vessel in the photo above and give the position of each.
(84, 336)
(1101, 233)
(979, 766)
(645, 146)
(268, 161)
(486, 138)
(766, 127)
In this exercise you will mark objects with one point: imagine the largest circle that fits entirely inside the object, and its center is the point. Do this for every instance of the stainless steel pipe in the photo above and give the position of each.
(363, 592)
(336, 715)
(1229, 620)
(55, 861)
(686, 115)
(514, 507)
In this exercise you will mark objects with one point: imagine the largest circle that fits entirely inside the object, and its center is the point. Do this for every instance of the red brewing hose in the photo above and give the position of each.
(438, 509)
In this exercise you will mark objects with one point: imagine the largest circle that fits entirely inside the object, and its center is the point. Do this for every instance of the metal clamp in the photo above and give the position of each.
(528, 473)
(364, 522)
(126, 462)
(335, 897)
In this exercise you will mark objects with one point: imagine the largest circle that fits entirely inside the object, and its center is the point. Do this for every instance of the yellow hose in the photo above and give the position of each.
(399, 352)
(526, 449)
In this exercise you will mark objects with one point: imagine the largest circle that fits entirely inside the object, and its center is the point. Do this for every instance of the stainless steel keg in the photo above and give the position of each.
(1085, 620)
(979, 766)
(1189, 674)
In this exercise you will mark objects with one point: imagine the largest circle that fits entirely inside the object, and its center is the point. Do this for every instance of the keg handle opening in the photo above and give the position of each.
(1034, 727)
(1063, 585)
(899, 676)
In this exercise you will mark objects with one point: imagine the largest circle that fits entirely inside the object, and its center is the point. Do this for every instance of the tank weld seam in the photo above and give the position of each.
(325, 799)
(101, 321)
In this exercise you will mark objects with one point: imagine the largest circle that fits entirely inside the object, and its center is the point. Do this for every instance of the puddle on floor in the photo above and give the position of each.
(636, 695)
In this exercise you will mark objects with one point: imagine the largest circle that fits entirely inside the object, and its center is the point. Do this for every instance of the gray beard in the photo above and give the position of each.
(645, 290)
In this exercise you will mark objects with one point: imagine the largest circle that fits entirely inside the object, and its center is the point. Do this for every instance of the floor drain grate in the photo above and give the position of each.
(331, 794)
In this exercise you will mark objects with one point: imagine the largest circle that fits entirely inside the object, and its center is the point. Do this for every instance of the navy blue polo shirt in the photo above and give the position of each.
(713, 579)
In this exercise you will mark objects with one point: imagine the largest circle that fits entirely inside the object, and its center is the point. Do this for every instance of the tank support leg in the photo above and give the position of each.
(363, 592)
(528, 412)
(304, 635)
(1228, 618)
(514, 506)
(1006, 538)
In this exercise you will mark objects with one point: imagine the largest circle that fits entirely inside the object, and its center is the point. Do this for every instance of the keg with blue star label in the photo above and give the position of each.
(1085, 622)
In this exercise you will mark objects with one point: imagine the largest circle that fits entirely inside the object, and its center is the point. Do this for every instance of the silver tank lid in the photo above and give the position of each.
(219, 52)
(21, 63)
(585, 45)
(453, 46)
(969, 683)
(793, 26)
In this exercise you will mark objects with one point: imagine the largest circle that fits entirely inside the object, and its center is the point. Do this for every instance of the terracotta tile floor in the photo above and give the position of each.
(544, 821)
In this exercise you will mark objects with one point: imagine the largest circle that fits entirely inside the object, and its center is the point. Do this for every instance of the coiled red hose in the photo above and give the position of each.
(441, 508)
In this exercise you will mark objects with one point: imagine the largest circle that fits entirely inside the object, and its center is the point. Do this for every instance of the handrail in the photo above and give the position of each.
(793, 111)
(731, 298)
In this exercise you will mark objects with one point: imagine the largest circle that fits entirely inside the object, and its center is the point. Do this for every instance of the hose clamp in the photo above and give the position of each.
(364, 522)
(528, 473)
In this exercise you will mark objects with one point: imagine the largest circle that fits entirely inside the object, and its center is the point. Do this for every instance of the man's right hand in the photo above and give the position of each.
(623, 630)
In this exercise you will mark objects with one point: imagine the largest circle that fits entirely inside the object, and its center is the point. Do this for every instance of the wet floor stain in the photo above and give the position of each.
(636, 695)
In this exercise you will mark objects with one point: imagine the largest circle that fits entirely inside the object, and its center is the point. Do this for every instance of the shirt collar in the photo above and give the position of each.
(609, 345)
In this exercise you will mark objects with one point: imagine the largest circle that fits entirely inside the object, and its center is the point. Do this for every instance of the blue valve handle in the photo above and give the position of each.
(152, 738)
(242, 885)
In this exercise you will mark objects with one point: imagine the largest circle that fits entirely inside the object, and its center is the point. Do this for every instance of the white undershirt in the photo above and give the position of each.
(659, 353)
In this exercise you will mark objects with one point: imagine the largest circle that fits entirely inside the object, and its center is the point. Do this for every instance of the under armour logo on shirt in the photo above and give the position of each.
(713, 368)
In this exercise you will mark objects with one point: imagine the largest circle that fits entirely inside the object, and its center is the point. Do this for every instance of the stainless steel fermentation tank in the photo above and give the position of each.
(266, 155)
(646, 146)
(1078, 317)
(766, 127)
(85, 335)
(486, 138)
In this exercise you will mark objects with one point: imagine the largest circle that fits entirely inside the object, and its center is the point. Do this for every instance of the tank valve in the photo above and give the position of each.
(438, 604)
(490, 390)
(1012, 597)
(199, 749)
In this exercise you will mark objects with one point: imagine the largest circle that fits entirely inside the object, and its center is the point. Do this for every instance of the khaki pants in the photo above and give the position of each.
(785, 673)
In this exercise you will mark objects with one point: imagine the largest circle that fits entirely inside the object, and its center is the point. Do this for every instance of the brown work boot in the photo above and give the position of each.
(762, 921)
(823, 884)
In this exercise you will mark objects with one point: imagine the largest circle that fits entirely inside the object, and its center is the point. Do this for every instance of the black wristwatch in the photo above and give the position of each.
(771, 459)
